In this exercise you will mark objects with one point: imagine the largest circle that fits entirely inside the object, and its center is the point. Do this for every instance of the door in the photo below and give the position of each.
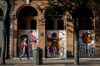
(27, 26)
(55, 39)
(86, 43)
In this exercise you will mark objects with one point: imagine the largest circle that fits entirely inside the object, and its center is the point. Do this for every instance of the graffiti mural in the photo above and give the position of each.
(56, 43)
(86, 43)
(31, 36)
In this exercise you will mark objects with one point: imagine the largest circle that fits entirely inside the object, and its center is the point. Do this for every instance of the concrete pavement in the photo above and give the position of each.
(53, 62)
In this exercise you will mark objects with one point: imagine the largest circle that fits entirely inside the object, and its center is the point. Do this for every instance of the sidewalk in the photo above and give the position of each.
(53, 62)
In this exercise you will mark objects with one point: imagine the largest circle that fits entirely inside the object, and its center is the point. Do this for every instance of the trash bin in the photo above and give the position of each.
(37, 56)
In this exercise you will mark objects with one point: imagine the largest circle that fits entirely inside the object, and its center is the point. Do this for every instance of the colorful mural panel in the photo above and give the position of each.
(56, 43)
(86, 43)
(27, 40)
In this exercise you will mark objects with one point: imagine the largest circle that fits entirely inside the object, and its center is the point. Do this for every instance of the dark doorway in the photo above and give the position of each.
(26, 23)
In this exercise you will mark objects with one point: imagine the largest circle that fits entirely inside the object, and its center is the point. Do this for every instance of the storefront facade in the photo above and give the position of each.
(54, 32)
(32, 17)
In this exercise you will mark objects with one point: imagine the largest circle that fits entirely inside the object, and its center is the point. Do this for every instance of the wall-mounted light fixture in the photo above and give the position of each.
(42, 18)
(12, 16)
(69, 18)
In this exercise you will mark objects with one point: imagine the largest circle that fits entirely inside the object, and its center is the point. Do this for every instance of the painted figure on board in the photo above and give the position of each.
(33, 39)
(54, 44)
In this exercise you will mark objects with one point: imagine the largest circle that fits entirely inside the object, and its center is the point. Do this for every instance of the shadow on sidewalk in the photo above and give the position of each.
(50, 62)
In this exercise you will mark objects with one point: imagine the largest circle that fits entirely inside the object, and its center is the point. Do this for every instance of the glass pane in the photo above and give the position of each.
(33, 24)
(60, 25)
(50, 24)
(22, 24)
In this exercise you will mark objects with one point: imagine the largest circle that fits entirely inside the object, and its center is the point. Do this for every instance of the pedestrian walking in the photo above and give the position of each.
(24, 43)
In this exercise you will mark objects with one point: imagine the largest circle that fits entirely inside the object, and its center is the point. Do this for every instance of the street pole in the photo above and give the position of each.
(76, 43)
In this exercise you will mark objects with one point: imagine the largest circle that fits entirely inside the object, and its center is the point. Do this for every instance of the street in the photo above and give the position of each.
(53, 62)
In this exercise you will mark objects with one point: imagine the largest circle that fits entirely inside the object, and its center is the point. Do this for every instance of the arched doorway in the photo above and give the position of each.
(56, 38)
(1, 29)
(86, 32)
(55, 33)
(27, 23)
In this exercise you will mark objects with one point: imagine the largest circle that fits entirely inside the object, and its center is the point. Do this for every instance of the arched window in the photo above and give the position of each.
(54, 24)
(26, 18)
